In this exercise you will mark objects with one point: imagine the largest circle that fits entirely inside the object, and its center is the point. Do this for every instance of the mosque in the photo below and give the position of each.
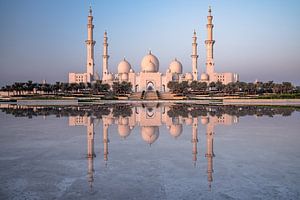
(150, 78)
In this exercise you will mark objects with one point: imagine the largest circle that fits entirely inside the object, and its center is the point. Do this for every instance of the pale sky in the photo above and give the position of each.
(44, 39)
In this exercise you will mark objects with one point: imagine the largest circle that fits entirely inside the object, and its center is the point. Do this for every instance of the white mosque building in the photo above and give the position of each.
(150, 78)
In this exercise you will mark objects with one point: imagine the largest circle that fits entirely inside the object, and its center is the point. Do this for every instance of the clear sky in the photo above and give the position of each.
(44, 39)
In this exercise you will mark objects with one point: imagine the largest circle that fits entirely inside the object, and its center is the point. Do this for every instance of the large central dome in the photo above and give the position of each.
(150, 63)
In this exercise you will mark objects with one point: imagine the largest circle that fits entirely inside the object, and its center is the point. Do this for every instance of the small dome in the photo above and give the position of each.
(150, 133)
(204, 77)
(176, 130)
(110, 77)
(150, 63)
(204, 120)
(131, 70)
(124, 67)
(188, 76)
(175, 67)
(124, 77)
(124, 130)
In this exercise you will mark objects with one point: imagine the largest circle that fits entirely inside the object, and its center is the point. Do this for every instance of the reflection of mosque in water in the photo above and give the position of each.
(149, 119)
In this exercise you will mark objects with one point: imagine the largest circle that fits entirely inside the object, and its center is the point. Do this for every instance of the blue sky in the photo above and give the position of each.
(44, 39)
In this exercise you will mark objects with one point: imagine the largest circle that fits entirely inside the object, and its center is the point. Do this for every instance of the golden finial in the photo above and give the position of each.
(91, 11)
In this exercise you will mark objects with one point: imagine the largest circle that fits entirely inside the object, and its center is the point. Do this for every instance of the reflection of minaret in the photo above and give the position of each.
(195, 140)
(105, 141)
(91, 153)
(209, 152)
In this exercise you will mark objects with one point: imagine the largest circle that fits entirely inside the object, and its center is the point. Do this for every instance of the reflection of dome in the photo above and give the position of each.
(176, 130)
(150, 133)
(110, 77)
(124, 67)
(124, 121)
(204, 120)
(124, 130)
(175, 67)
(188, 121)
(124, 77)
(204, 77)
(150, 63)
(188, 76)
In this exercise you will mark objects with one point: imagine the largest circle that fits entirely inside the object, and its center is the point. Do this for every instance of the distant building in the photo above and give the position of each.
(149, 78)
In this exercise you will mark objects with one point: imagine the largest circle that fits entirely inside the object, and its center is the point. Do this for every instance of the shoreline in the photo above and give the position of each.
(221, 102)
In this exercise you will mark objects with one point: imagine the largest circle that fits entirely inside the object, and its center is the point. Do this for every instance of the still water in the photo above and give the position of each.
(151, 151)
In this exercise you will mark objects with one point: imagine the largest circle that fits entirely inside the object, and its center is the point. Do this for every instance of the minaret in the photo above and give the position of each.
(195, 140)
(209, 43)
(105, 56)
(194, 57)
(91, 152)
(90, 43)
(209, 152)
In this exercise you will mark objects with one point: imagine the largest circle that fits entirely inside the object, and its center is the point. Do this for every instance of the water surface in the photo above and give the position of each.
(149, 152)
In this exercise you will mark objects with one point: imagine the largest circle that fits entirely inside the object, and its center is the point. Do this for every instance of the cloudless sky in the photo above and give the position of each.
(44, 39)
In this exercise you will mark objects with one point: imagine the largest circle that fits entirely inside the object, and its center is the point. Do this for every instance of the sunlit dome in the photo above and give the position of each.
(175, 67)
(124, 130)
(124, 67)
(176, 130)
(204, 77)
(124, 77)
(150, 133)
(150, 63)
(188, 76)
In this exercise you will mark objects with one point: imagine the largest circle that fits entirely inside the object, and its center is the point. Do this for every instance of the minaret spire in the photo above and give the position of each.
(105, 56)
(194, 57)
(209, 43)
(90, 44)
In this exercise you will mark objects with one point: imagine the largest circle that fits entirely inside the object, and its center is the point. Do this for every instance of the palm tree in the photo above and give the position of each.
(194, 86)
(98, 86)
(219, 86)
(29, 86)
(287, 87)
(172, 86)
